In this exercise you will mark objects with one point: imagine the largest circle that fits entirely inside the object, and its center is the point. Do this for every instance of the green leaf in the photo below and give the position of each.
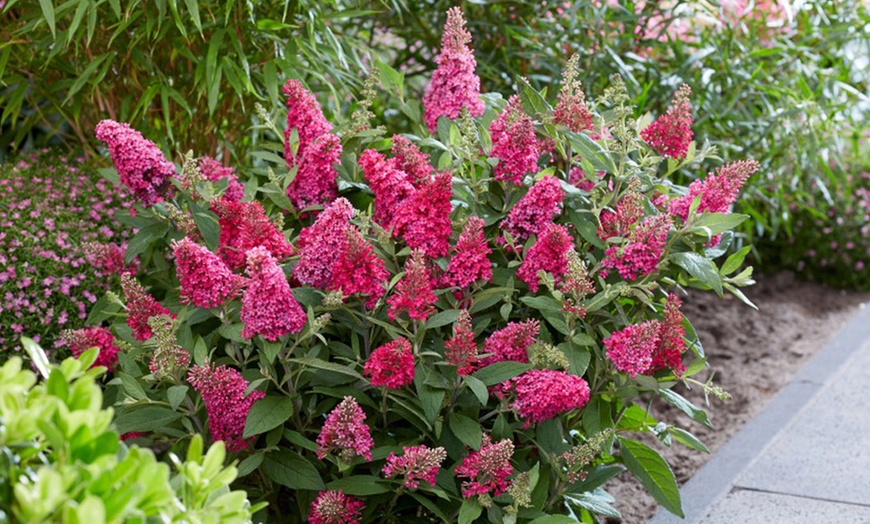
(578, 358)
(500, 371)
(132, 387)
(442, 319)
(700, 268)
(430, 400)
(207, 223)
(597, 477)
(431, 506)
(653, 472)
(145, 418)
(678, 401)
(733, 262)
(466, 430)
(247, 466)
(592, 152)
(477, 387)
(291, 470)
(146, 235)
(193, 7)
(470, 510)
(328, 366)
(267, 413)
(176, 395)
(719, 222)
(595, 503)
(542, 303)
(48, 13)
(56, 384)
(37, 356)
(690, 441)
(360, 485)
(554, 519)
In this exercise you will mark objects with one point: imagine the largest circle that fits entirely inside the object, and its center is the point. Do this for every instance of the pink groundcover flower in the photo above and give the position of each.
(345, 433)
(223, 392)
(454, 84)
(334, 507)
(391, 365)
(417, 463)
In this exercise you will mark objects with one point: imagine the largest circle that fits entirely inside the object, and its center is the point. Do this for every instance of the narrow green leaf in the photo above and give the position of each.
(328, 366)
(442, 319)
(653, 472)
(689, 440)
(267, 413)
(477, 387)
(678, 401)
(176, 395)
(733, 262)
(48, 12)
(291, 470)
(466, 430)
(145, 418)
(595, 503)
(193, 7)
(500, 371)
(37, 356)
(719, 222)
(700, 268)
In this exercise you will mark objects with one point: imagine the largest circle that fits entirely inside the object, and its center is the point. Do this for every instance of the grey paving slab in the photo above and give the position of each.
(751, 507)
(826, 452)
(719, 476)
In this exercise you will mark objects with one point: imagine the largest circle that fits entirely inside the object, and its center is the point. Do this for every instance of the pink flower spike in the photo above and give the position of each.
(244, 225)
(390, 185)
(454, 84)
(671, 333)
(535, 210)
(414, 291)
(140, 163)
(315, 183)
(416, 464)
(345, 432)
(511, 342)
(319, 242)
(645, 248)
(469, 263)
(334, 507)
(303, 114)
(205, 280)
(423, 219)
(631, 349)
(391, 365)
(542, 394)
(81, 340)
(461, 349)
(140, 307)
(358, 270)
(514, 143)
(268, 306)
(549, 253)
(214, 171)
(408, 157)
(487, 470)
(671, 133)
(571, 110)
(223, 392)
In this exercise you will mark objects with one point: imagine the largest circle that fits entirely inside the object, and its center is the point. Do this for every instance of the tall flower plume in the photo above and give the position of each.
(358, 270)
(488, 469)
(461, 350)
(140, 163)
(671, 133)
(416, 464)
(645, 248)
(223, 393)
(631, 349)
(345, 432)
(334, 507)
(303, 114)
(205, 280)
(140, 307)
(514, 143)
(469, 262)
(80, 340)
(423, 219)
(390, 185)
(319, 242)
(542, 394)
(511, 342)
(243, 226)
(408, 157)
(671, 333)
(535, 210)
(549, 253)
(718, 191)
(391, 365)
(454, 84)
(413, 292)
(571, 110)
(268, 305)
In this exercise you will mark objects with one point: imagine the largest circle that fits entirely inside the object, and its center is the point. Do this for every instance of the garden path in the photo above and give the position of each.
(805, 457)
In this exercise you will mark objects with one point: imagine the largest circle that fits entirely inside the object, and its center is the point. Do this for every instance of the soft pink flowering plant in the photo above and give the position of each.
(474, 317)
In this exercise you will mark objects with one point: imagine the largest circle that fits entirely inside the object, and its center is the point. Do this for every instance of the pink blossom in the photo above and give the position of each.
(535, 210)
(514, 143)
(454, 84)
(268, 306)
(718, 191)
(140, 307)
(631, 349)
(469, 262)
(214, 171)
(391, 365)
(303, 114)
(408, 157)
(619, 223)
(223, 392)
(542, 394)
(319, 243)
(487, 470)
(140, 163)
(549, 253)
(334, 507)
(413, 292)
(511, 342)
(644, 250)
(358, 270)
(461, 349)
(671, 333)
(671, 133)
(390, 185)
(205, 280)
(80, 340)
(571, 110)
(416, 464)
(243, 226)
(314, 183)
(423, 219)
(345, 432)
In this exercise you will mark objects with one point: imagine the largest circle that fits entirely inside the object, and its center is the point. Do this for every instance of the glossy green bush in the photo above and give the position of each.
(62, 461)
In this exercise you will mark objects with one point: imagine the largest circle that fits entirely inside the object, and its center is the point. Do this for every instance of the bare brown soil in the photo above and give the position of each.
(754, 354)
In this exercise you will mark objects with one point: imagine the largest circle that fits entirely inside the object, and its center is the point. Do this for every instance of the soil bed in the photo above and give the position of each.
(754, 354)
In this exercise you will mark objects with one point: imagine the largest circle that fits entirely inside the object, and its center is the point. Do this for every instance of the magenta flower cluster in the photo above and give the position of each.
(140, 163)
(223, 392)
